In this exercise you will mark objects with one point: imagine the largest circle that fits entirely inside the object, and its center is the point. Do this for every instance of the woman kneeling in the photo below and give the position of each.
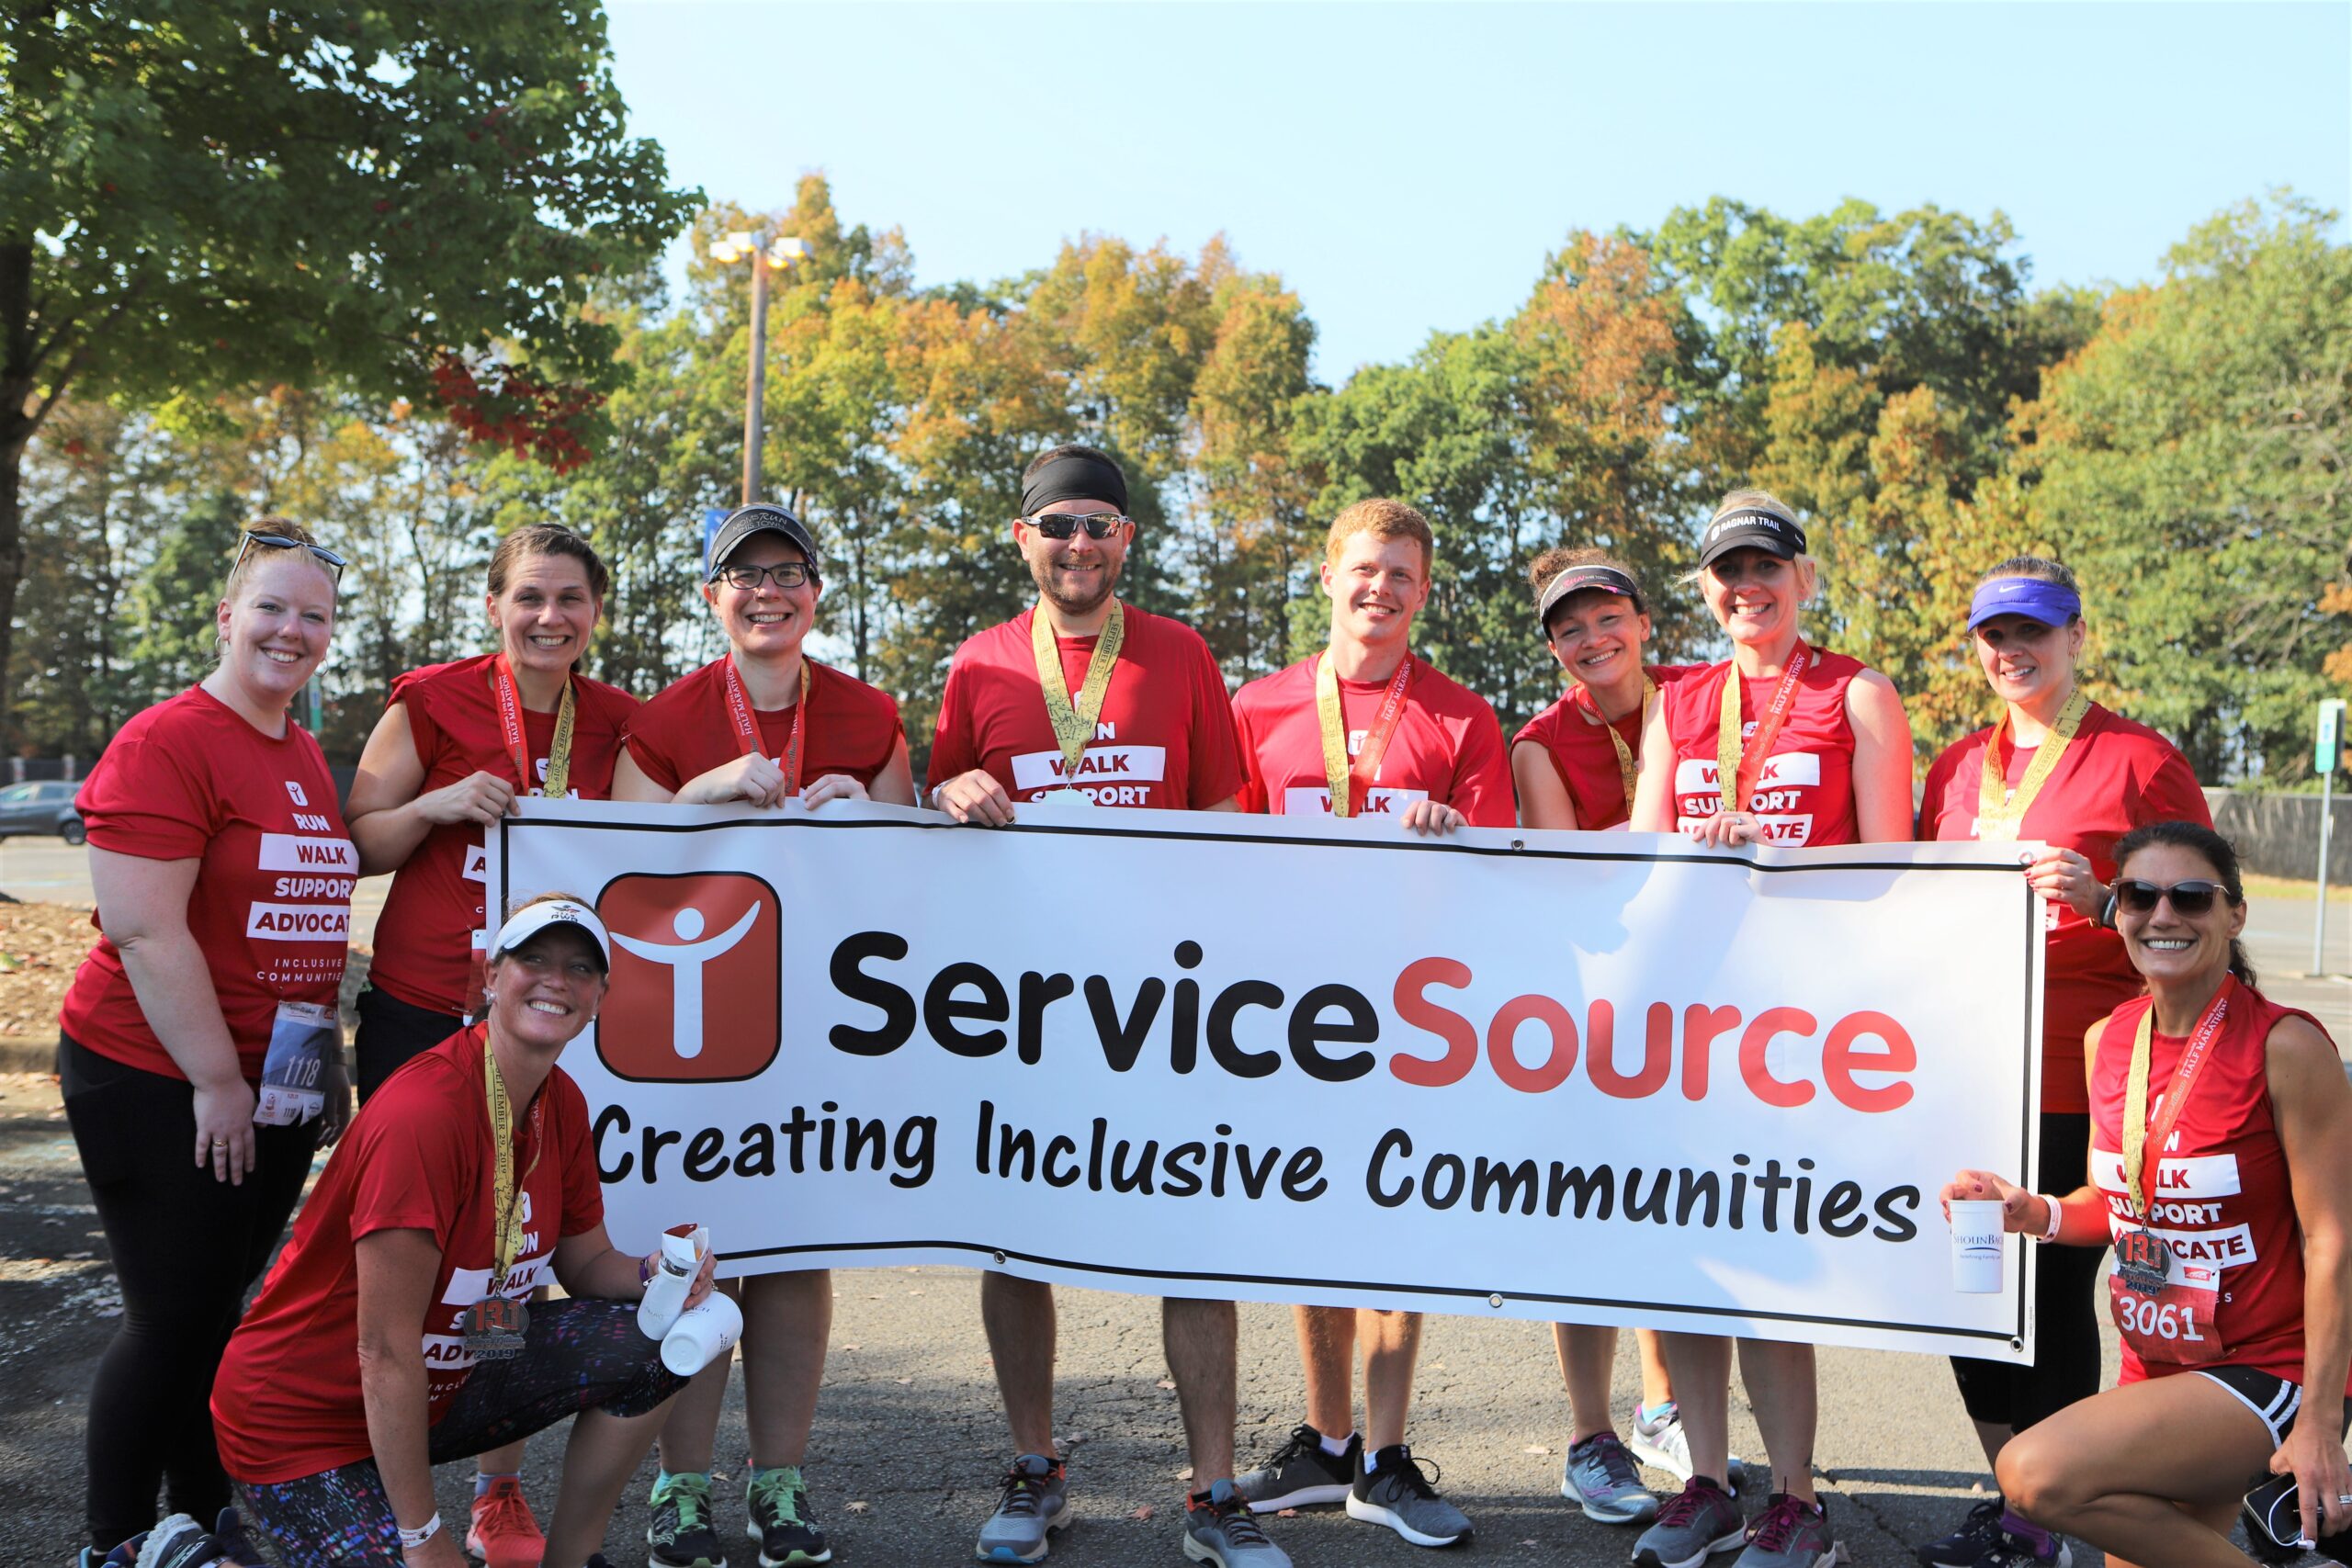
(394, 1334)
(2221, 1170)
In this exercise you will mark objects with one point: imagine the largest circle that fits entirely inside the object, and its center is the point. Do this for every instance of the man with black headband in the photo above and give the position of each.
(1083, 702)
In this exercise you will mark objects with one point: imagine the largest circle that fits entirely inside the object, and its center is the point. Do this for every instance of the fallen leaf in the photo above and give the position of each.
(1144, 1512)
(1168, 1382)
(857, 1507)
(853, 1347)
(1530, 1449)
(904, 1382)
(1185, 1473)
(1287, 1514)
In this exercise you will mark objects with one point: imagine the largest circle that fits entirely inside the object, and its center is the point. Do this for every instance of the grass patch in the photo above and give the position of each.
(2286, 887)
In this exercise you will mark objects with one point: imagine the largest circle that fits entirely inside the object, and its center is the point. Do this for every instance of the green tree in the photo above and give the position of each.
(199, 194)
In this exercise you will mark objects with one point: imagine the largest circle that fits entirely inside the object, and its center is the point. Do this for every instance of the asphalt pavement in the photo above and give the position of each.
(908, 1442)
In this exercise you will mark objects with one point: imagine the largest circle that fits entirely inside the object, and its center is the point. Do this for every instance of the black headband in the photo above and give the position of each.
(1074, 476)
(1576, 580)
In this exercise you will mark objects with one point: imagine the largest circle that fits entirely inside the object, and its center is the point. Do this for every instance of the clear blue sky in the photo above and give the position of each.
(1407, 168)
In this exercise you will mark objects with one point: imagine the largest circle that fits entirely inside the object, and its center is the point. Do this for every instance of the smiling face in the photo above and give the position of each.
(2025, 660)
(544, 617)
(767, 621)
(1754, 595)
(1076, 574)
(546, 991)
(275, 629)
(1598, 637)
(1376, 585)
(2165, 944)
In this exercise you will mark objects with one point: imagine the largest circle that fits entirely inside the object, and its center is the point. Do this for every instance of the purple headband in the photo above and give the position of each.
(2051, 603)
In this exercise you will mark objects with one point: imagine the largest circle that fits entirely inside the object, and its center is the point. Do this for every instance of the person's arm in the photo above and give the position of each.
(962, 788)
(1480, 794)
(142, 905)
(1654, 791)
(388, 818)
(1881, 760)
(1230, 803)
(2081, 1212)
(894, 785)
(630, 783)
(1544, 800)
(589, 1265)
(2311, 1105)
(398, 1270)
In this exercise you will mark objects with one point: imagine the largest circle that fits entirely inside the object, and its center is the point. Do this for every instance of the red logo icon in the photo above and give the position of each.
(696, 995)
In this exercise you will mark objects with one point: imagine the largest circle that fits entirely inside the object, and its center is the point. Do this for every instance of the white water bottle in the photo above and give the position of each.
(702, 1334)
(665, 1294)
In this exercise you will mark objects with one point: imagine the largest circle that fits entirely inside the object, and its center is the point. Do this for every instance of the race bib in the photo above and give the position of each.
(292, 1088)
(2172, 1322)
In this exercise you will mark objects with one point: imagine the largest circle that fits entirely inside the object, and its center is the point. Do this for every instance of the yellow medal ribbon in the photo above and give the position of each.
(1999, 813)
(1628, 766)
(507, 1230)
(1339, 773)
(2135, 1092)
(1074, 722)
(560, 750)
(510, 723)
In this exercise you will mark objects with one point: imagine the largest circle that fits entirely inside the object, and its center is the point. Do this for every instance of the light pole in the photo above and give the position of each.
(765, 252)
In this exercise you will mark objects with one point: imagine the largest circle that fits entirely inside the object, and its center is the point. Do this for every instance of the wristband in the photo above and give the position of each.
(2057, 1217)
(412, 1538)
(645, 1265)
(2107, 913)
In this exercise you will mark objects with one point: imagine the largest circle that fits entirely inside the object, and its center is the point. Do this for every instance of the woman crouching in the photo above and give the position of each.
(394, 1335)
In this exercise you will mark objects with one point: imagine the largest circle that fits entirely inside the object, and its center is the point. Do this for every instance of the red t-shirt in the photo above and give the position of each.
(1573, 735)
(419, 1155)
(2115, 776)
(2226, 1201)
(1805, 792)
(1446, 747)
(190, 779)
(428, 938)
(1164, 740)
(685, 732)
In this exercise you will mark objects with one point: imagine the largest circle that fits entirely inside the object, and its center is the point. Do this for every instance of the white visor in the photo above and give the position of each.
(529, 923)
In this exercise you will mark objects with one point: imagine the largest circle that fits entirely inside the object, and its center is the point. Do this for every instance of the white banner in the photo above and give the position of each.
(1604, 1078)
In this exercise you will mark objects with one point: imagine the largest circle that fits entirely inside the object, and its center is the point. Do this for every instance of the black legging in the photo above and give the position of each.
(185, 1248)
(2066, 1308)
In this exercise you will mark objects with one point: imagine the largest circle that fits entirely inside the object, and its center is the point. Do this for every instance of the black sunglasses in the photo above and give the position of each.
(332, 561)
(2191, 898)
(1064, 524)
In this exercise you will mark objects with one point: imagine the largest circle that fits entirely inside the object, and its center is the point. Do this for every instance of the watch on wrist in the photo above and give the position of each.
(2107, 911)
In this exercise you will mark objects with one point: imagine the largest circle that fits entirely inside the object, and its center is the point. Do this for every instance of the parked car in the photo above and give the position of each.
(45, 805)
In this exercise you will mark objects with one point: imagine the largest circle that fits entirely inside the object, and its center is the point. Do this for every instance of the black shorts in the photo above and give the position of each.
(391, 1031)
(2271, 1397)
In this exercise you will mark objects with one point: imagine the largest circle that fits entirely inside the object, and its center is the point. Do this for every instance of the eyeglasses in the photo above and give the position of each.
(784, 574)
(1065, 525)
(334, 562)
(2191, 899)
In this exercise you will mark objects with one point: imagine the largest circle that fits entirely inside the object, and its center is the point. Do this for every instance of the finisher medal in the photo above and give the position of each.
(2143, 1262)
(494, 1327)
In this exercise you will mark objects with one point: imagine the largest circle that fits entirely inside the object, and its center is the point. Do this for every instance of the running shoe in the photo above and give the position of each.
(1036, 1503)
(1220, 1528)
(1601, 1478)
(680, 1534)
(1700, 1520)
(504, 1534)
(1394, 1492)
(1301, 1473)
(237, 1548)
(2013, 1551)
(1790, 1534)
(178, 1542)
(1664, 1443)
(788, 1534)
(1979, 1533)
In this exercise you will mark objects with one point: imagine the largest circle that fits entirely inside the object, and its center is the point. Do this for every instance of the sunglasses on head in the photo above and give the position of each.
(2192, 898)
(334, 562)
(1064, 524)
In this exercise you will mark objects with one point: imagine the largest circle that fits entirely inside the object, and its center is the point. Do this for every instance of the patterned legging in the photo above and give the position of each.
(577, 1355)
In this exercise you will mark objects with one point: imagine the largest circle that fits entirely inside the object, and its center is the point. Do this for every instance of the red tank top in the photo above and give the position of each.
(2223, 1198)
(1805, 792)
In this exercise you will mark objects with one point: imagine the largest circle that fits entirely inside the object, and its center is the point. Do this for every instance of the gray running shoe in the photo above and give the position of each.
(1700, 1520)
(1034, 1504)
(1664, 1443)
(1790, 1534)
(1394, 1492)
(679, 1533)
(1301, 1474)
(1602, 1479)
(1979, 1533)
(1219, 1529)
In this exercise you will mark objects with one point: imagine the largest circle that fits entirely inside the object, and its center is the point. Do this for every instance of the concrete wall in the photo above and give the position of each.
(2277, 835)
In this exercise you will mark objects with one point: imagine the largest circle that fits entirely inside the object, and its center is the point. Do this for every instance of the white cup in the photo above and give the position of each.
(702, 1334)
(665, 1295)
(1978, 1245)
